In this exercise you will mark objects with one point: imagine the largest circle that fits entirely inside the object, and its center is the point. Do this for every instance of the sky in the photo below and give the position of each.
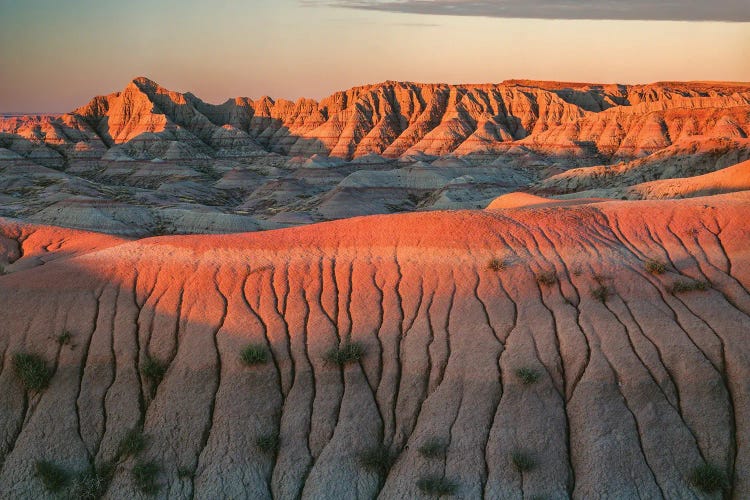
(55, 55)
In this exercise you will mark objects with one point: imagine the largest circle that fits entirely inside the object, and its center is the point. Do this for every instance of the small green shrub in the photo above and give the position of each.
(527, 375)
(708, 478)
(268, 443)
(547, 278)
(53, 477)
(653, 266)
(133, 443)
(436, 485)
(64, 338)
(684, 286)
(601, 293)
(32, 370)
(523, 462)
(153, 369)
(434, 448)
(144, 476)
(496, 264)
(377, 459)
(255, 354)
(348, 352)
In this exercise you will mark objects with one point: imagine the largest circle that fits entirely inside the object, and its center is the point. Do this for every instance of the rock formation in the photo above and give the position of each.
(589, 351)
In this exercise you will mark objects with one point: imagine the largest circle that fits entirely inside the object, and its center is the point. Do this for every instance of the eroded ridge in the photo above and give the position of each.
(555, 352)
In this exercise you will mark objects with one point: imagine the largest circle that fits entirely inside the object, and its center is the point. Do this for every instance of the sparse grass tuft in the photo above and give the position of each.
(601, 293)
(53, 477)
(92, 483)
(653, 266)
(434, 448)
(32, 370)
(377, 459)
(436, 485)
(348, 352)
(153, 370)
(523, 462)
(268, 443)
(684, 285)
(255, 354)
(132, 444)
(708, 478)
(64, 338)
(547, 278)
(496, 264)
(144, 475)
(528, 375)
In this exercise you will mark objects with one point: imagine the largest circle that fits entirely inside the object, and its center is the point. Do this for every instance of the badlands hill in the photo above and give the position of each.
(597, 350)
(148, 160)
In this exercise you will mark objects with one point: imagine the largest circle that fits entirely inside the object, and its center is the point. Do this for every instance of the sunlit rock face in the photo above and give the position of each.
(148, 160)
(400, 118)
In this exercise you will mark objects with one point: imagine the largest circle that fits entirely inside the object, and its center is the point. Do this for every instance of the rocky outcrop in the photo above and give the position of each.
(565, 356)
(397, 119)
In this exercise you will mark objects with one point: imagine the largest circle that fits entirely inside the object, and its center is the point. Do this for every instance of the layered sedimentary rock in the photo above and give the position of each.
(610, 379)
(400, 118)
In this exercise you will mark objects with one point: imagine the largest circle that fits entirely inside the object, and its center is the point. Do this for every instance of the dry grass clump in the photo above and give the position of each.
(255, 354)
(547, 278)
(496, 264)
(654, 266)
(709, 478)
(33, 371)
(601, 293)
(527, 375)
(348, 352)
(153, 369)
(268, 443)
(687, 285)
(522, 461)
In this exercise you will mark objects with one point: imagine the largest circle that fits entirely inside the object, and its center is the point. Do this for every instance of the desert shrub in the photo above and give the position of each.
(377, 459)
(132, 444)
(527, 375)
(683, 286)
(496, 264)
(547, 278)
(53, 477)
(255, 354)
(601, 293)
(144, 476)
(708, 478)
(268, 443)
(32, 370)
(153, 369)
(348, 352)
(436, 485)
(655, 267)
(523, 462)
(434, 448)
(64, 338)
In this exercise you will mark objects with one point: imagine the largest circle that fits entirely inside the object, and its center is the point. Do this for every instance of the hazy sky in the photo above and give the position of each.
(55, 55)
